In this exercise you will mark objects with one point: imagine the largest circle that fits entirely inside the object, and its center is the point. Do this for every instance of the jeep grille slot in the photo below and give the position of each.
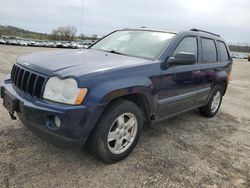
(27, 81)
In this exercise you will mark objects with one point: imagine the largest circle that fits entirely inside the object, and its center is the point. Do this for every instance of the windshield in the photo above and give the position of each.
(143, 44)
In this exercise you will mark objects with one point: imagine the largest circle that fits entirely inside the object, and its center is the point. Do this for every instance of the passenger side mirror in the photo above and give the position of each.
(182, 58)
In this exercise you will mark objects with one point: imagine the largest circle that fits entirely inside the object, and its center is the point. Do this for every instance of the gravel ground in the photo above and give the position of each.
(185, 151)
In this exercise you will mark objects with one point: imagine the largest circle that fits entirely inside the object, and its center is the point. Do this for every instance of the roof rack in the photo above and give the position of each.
(198, 30)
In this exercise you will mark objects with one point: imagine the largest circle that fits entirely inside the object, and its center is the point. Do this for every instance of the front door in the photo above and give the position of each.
(180, 83)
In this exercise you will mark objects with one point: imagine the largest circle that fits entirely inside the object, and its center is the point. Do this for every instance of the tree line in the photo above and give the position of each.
(68, 33)
(236, 48)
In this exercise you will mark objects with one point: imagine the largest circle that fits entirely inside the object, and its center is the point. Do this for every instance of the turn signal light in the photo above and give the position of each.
(229, 76)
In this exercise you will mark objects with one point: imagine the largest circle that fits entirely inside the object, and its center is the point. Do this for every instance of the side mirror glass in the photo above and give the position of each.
(182, 58)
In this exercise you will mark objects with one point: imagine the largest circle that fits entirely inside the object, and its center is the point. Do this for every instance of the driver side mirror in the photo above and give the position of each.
(182, 58)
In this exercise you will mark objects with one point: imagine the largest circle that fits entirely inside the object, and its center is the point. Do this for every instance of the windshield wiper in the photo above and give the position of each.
(115, 52)
(112, 51)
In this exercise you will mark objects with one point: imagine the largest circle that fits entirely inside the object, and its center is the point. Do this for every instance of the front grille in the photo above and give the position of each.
(27, 81)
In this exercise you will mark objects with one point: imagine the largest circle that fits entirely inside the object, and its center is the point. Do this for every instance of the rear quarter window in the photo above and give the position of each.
(224, 55)
(209, 51)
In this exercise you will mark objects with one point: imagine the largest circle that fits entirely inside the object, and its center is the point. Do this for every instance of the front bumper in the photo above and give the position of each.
(77, 122)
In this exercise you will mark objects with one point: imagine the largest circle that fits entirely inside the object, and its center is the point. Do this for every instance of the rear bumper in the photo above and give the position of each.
(77, 122)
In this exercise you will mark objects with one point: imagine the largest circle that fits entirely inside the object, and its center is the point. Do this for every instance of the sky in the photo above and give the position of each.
(229, 18)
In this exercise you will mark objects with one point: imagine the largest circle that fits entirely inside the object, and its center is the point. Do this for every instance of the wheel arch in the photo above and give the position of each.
(223, 84)
(143, 100)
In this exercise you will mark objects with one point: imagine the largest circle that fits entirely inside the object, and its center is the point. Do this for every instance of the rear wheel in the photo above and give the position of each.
(211, 109)
(117, 132)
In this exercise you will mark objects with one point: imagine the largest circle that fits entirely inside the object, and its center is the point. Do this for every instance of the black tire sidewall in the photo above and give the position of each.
(105, 125)
(211, 114)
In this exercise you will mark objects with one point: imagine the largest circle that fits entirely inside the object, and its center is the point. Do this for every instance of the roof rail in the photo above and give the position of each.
(198, 30)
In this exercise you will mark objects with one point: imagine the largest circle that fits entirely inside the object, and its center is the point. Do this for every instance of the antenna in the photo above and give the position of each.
(81, 17)
(81, 35)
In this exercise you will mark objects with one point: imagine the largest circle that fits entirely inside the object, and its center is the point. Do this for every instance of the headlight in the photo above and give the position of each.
(64, 91)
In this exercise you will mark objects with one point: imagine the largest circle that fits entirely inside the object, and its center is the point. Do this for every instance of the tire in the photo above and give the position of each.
(113, 126)
(211, 109)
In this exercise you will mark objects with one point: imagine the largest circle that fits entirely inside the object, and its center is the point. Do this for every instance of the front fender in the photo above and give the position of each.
(103, 93)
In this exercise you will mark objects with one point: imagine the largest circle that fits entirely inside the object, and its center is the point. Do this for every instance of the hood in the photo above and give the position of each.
(76, 62)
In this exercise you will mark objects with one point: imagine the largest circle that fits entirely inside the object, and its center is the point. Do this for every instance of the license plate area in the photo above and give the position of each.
(9, 102)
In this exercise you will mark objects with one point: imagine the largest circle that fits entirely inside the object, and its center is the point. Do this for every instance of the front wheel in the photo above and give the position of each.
(211, 109)
(117, 132)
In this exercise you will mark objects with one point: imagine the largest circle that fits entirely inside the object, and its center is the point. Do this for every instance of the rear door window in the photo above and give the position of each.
(188, 44)
(223, 51)
(209, 50)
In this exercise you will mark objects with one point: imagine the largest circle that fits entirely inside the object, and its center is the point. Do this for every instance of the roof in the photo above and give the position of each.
(191, 31)
(147, 29)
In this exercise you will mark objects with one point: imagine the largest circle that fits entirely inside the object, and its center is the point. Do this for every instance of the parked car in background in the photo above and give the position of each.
(59, 44)
(248, 57)
(2, 41)
(73, 45)
(66, 45)
(37, 44)
(80, 46)
(104, 95)
(51, 44)
(22, 43)
(239, 55)
(31, 43)
(43, 44)
(11, 42)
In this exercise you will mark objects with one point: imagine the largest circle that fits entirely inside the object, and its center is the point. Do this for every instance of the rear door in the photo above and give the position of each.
(209, 68)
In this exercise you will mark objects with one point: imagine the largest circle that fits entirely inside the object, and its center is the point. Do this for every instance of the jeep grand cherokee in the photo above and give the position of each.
(104, 95)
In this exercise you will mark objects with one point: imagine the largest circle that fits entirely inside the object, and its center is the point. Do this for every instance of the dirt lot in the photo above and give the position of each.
(185, 151)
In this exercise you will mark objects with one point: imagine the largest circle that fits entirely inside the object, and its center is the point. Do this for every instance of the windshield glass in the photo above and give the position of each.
(143, 44)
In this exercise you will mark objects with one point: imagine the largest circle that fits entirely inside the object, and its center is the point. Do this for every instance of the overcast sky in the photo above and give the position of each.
(230, 18)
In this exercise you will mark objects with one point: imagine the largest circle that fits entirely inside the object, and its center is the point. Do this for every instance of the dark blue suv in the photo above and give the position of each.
(104, 95)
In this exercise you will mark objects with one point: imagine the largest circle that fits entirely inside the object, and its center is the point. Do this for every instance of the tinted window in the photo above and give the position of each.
(188, 44)
(223, 51)
(209, 50)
